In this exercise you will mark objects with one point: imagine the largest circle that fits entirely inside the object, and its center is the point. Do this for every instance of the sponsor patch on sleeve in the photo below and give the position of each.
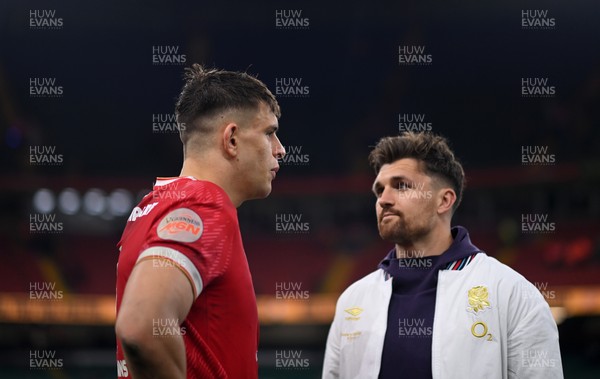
(182, 224)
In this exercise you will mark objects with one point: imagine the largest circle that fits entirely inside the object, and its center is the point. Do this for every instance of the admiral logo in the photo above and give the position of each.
(166, 123)
(291, 87)
(44, 87)
(413, 327)
(291, 19)
(290, 359)
(413, 122)
(537, 19)
(537, 223)
(138, 212)
(182, 225)
(537, 155)
(413, 56)
(44, 360)
(44, 19)
(294, 157)
(167, 55)
(537, 87)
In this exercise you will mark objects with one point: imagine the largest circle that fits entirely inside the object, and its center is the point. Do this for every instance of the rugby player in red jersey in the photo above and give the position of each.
(185, 301)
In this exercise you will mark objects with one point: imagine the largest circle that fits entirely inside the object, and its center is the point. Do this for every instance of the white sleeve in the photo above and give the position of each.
(533, 349)
(331, 363)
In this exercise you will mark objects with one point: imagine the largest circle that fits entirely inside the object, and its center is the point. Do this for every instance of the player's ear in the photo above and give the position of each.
(445, 200)
(230, 139)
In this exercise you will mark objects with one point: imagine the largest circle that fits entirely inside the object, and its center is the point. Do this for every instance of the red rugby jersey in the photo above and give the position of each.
(194, 225)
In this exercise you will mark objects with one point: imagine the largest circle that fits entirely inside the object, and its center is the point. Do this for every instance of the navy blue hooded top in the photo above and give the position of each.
(407, 344)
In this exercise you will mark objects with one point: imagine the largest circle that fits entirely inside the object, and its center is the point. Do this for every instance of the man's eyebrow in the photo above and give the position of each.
(377, 185)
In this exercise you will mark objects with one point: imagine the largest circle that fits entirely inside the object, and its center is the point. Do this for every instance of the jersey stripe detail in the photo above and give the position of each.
(180, 261)
(461, 263)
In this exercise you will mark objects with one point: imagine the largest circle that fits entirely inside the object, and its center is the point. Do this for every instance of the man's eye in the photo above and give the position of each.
(403, 186)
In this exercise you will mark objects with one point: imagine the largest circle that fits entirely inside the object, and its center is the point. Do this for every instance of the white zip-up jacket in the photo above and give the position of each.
(489, 322)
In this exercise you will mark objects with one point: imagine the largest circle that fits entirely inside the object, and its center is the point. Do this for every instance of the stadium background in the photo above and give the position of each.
(85, 123)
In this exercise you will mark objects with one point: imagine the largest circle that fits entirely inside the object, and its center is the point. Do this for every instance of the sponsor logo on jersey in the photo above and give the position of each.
(354, 313)
(182, 225)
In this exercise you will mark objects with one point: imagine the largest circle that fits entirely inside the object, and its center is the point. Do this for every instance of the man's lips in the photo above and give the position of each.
(274, 171)
(386, 214)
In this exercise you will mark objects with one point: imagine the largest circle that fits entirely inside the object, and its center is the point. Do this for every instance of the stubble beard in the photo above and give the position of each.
(402, 232)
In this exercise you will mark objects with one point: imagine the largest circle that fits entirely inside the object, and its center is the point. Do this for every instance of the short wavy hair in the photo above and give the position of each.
(426, 147)
(207, 92)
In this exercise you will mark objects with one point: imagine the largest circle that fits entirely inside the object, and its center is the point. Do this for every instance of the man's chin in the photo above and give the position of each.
(261, 193)
(387, 235)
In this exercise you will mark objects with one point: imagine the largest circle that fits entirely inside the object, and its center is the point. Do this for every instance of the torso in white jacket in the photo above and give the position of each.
(489, 322)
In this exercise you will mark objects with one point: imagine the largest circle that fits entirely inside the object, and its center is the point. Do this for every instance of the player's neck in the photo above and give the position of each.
(433, 244)
(211, 173)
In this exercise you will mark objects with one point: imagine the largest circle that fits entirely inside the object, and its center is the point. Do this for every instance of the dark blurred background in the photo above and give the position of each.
(87, 91)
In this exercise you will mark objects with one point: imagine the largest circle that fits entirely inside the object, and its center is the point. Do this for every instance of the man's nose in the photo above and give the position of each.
(279, 151)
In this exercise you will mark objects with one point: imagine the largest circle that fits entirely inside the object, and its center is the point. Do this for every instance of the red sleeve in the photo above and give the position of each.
(196, 238)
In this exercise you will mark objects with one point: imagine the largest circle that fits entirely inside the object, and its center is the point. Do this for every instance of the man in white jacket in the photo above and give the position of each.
(437, 307)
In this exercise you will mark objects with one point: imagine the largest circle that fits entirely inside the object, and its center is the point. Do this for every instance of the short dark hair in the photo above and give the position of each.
(426, 147)
(209, 91)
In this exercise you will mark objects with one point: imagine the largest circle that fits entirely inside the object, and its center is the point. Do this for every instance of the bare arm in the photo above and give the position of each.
(156, 300)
